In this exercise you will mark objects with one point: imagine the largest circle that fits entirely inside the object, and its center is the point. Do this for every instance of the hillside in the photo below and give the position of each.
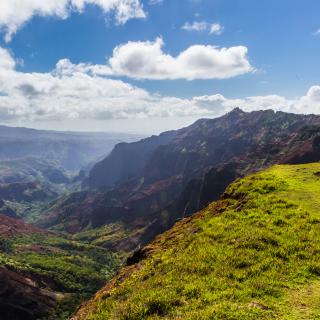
(27, 184)
(250, 255)
(116, 167)
(179, 173)
(46, 275)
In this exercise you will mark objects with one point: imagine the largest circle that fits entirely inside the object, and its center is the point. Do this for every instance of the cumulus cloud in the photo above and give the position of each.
(313, 94)
(212, 28)
(73, 92)
(6, 60)
(218, 104)
(147, 60)
(12, 19)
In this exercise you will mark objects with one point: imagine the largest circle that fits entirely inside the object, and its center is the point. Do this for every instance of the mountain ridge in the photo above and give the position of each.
(72, 150)
(177, 177)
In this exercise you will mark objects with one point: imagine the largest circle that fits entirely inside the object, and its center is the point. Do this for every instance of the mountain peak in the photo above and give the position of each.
(236, 111)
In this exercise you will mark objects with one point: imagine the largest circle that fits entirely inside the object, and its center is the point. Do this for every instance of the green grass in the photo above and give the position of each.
(252, 255)
(103, 235)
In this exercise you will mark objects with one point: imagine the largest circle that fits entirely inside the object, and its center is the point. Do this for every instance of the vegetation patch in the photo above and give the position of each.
(252, 255)
(74, 269)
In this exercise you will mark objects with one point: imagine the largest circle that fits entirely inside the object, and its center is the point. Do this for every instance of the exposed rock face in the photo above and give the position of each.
(10, 226)
(173, 177)
(307, 152)
(24, 296)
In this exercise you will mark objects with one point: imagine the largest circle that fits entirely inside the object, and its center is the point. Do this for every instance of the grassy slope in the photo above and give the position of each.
(252, 255)
(76, 270)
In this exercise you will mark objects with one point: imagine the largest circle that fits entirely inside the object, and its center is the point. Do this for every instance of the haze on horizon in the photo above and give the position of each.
(146, 66)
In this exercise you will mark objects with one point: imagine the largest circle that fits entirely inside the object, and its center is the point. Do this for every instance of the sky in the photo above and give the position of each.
(147, 66)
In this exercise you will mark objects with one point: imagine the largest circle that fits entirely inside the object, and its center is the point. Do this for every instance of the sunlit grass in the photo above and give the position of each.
(252, 255)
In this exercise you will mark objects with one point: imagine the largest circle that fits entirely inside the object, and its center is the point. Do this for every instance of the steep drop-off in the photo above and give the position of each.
(126, 160)
(251, 255)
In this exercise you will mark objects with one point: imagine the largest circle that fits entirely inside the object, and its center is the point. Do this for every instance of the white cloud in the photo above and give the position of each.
(212, 28)
(216, 28)
(316, 33)
(72, 92)
(195, 26)
(154, 2)
(313, 94)
(310, 103)
(15, 13)
(147, 60)
(6, 60)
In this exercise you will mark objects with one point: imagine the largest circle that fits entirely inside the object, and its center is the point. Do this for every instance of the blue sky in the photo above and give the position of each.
(281, 63)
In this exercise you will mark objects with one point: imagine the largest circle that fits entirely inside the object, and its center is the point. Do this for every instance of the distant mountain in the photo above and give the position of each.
(28, 183)
(71, 150)
(251, 255)
(126, 160)
(178, 173)
(37, 166)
